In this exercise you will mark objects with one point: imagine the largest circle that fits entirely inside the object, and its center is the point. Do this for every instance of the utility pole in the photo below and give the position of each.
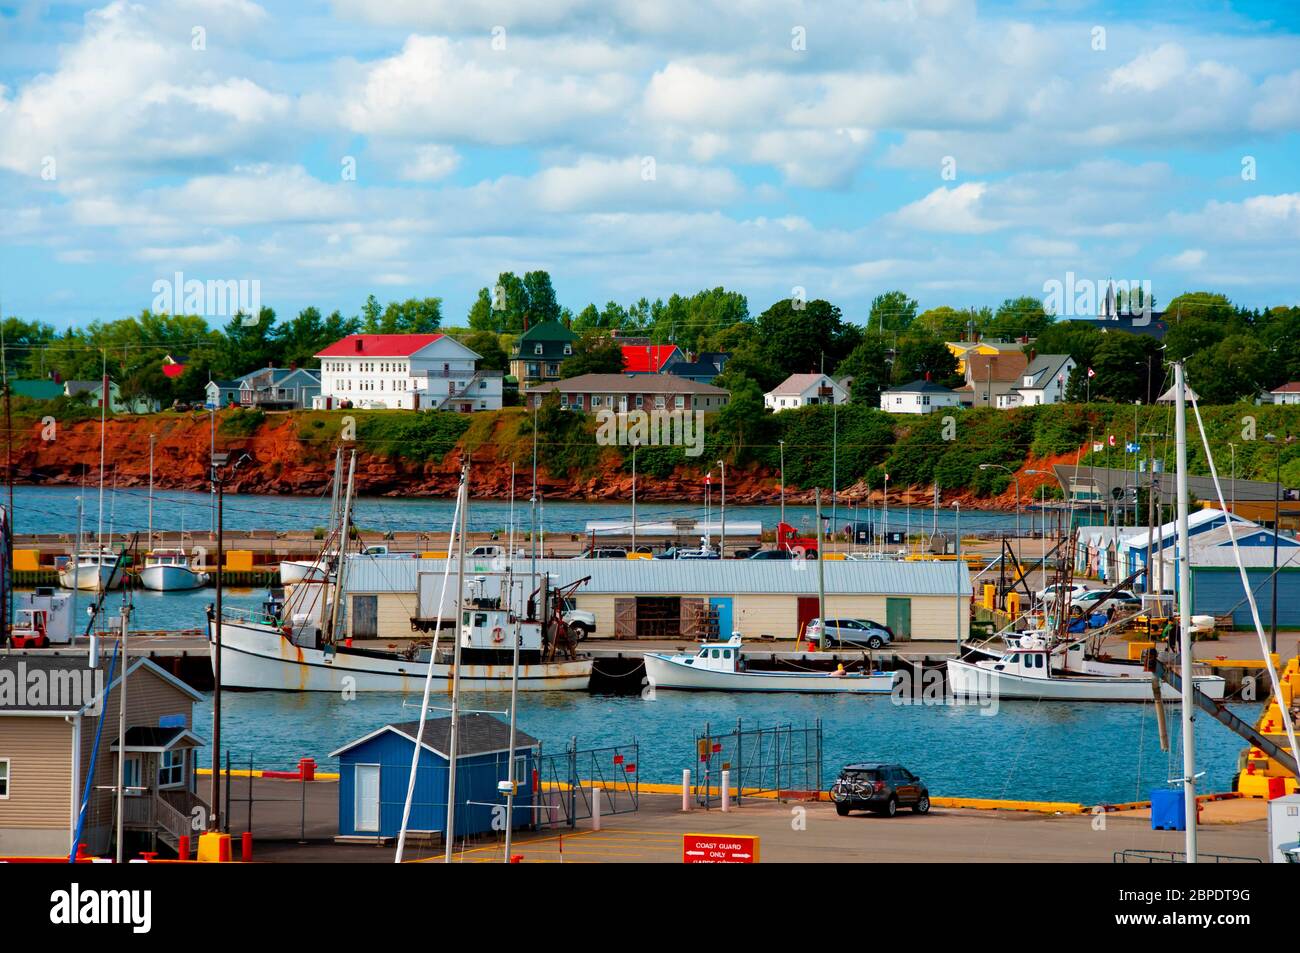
(1185, 617)
(455, 672)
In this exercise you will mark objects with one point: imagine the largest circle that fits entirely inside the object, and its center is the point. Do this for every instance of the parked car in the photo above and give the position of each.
(581, 622)
(1093, 601)
(677, 552)
(849, 632)
(1058, 591)
(602, 554)
(882, 788)
(772, 554)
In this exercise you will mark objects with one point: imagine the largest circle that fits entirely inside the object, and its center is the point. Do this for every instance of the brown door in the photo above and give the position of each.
(625, 618)
(807, 611)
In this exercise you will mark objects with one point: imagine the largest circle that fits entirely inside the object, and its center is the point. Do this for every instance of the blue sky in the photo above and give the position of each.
(963, 152)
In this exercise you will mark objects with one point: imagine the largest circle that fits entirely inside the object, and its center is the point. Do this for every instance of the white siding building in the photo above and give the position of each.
(804, 390)
(406, 372)
(918, 397)
(1044, 380)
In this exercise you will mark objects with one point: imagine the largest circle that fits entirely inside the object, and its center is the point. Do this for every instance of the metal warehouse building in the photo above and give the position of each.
(692, 599)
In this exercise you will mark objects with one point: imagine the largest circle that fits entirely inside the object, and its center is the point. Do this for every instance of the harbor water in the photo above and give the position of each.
(1089, 753)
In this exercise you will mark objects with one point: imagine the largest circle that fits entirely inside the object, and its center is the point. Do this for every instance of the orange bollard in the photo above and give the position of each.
(246, 846)
(183, 847)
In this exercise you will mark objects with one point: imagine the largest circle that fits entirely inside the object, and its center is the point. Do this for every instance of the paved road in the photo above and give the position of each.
(797, 833)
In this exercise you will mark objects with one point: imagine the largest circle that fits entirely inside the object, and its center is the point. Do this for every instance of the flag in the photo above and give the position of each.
(1096, 447)
(1091, 372)
(1111, 440)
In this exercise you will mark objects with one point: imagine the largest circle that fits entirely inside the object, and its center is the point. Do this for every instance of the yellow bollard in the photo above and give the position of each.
(214, 848)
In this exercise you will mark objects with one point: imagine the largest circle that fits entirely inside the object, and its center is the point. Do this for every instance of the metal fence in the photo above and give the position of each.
(784, 760)
(571, 779)
(1140, 856)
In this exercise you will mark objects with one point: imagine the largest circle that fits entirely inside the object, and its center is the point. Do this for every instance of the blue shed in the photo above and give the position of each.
(374, 772)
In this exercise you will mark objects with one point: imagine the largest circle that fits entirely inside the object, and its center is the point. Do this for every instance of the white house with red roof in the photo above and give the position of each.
(1287, 393)
(650, 358)
(405, 372)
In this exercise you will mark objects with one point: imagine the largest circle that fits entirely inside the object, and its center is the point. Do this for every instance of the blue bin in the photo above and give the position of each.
(1167, 811)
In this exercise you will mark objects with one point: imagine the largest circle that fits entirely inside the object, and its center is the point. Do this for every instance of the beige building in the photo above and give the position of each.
(51, 708)
(691, 599)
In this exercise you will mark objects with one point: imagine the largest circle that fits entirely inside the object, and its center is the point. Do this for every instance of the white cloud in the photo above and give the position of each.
(957, 209)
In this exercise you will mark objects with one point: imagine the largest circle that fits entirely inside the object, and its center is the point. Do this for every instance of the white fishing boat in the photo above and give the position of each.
(93, 572)
(720, 666)
(1035, 669)
(302, 645)
(294, 571)
(168, 570)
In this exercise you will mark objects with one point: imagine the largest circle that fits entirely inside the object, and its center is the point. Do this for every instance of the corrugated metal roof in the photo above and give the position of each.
(669, 577)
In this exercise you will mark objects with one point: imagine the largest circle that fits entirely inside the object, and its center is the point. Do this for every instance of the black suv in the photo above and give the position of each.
(882, 788)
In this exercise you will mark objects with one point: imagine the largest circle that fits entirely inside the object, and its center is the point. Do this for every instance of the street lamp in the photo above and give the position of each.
(1016, 477)
(218, 477)
(1277, 524)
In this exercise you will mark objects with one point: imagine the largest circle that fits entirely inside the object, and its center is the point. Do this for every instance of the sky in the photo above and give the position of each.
(962, 152)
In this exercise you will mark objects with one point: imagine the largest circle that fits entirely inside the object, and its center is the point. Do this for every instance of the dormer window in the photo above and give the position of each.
(568, 349)
(537, 349)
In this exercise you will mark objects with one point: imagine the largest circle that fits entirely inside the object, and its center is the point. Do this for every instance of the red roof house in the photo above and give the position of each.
(650, 358)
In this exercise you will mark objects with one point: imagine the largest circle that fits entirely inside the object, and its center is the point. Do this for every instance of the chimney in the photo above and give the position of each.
(927, 376)
(357, 342)
(293, 365)
(1033, 353)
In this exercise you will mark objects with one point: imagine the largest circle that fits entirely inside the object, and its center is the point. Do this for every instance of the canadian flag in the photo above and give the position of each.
(1111, 439)
(1091, 372)
(708, 478)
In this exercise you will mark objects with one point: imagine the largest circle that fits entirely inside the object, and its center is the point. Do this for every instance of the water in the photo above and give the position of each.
(53, 509)
(1030, 750)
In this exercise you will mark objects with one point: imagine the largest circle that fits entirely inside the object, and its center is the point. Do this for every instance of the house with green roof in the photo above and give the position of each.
(540, 351)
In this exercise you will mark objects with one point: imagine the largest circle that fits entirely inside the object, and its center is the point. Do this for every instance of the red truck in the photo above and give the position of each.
(787, 537)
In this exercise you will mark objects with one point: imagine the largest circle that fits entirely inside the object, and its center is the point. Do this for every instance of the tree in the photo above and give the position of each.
(1128, 368)
(594, 353)
(1018, 317)
(868, 365)
(488, 346)
(542, 305)
(1231, 370)
(802, 340)
(892, 311)
(920, 354)
(949, 324)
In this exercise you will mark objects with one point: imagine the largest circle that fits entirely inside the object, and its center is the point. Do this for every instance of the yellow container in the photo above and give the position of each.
(1013, 604)
(1135, 649)
(990, 596)
(214, 848)
(27, 560)
(239, 560)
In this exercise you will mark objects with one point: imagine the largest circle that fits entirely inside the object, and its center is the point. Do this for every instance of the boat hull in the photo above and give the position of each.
(663, 671)
(294, 571)
(91, 577)
(172, 578)
(968, 680)
(258, 657)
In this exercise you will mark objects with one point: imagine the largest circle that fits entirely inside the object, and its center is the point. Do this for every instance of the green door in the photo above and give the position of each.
(898, 616)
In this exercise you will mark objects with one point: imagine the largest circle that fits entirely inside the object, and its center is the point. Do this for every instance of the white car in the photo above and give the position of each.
(1049, 595)
(1094, 601)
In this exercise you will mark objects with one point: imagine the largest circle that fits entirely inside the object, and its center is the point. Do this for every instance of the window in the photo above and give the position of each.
(679, 401)
(537, 349)
(4, 778)
(131, 775)
(171, 769)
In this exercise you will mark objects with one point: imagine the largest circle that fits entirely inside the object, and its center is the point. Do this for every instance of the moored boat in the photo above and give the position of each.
(93, 572)
(169, 570)
(720, 666)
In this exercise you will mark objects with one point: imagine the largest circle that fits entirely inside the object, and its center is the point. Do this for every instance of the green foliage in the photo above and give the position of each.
(239, 422)
(595, 352)
(425, 437)
(892, 311)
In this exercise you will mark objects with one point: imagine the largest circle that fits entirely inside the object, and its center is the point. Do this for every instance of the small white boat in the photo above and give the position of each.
(1032, 668)
(167, 570)
(94, 572)
(719, 666)
(294, 571)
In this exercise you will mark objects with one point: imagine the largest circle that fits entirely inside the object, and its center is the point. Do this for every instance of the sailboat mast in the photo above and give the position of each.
(1185, 616)
(103, 422)
(455, 668)
(336, 602)
(150, 546)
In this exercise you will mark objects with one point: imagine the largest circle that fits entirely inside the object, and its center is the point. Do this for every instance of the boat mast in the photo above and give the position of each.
(336, 617)
(511, 780)
(103, 419)
(450, 838)
(1185, 616)
(150, 545)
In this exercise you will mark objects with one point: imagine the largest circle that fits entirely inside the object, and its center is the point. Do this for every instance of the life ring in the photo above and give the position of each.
(498, 635)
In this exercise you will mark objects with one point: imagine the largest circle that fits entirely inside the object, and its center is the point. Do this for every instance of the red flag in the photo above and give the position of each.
(1091, 372)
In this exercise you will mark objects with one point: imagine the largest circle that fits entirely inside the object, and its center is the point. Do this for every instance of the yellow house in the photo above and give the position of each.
(961, 348)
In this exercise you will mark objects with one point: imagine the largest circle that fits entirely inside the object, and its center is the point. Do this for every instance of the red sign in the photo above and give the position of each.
(719, 849)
